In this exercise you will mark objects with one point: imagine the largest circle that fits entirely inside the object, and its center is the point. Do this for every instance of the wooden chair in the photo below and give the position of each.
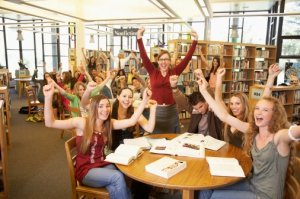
(292, 185)
(79, 190)
(64, 116)
(32, 100)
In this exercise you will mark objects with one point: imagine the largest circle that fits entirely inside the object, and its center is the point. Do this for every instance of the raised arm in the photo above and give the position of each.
(84, 55)
(50, 121)
(219, 109)
(148, 125)
(85, 100)
(184, 63)
(146, 61)
(121, 124)
(274, 71)
(180, 98)
(218, 90)
(203, 58)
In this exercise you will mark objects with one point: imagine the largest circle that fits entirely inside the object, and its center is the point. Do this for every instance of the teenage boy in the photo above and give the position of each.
(203, 120)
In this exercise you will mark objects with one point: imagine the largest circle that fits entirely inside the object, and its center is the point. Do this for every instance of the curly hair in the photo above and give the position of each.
(90, 123)
(278, 121)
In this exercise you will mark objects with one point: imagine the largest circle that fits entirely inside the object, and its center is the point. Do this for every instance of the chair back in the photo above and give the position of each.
(78, 189)
(292, 182)
(75, 110)
(30, 94)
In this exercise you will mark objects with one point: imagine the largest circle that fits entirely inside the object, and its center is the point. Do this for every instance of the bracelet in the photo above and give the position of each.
(290, 134)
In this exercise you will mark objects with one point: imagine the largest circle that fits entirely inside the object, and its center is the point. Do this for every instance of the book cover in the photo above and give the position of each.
(124, 154)
(225, 167)
(166, 167)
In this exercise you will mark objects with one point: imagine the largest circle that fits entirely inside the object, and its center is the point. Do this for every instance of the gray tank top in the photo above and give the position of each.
(269, 170)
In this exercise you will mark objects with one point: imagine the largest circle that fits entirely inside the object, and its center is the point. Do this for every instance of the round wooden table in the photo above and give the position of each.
(195, 177)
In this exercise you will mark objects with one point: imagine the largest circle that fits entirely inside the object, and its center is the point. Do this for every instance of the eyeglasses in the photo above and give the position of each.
(166, 59)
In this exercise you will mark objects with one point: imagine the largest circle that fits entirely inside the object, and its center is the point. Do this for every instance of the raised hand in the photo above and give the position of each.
(140, 32)
(202, 83)
(173, 80)
(221, 72)
(91, 85)
(274, 70)
(198, 73)
(48, 90)
(194, 34)
(147, 94)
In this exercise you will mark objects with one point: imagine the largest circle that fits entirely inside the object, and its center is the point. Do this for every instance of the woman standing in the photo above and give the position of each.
(167, 120)
(93, 137)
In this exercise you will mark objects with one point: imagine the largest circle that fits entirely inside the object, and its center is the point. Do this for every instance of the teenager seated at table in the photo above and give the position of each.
(93, 140)
(268, 136)
(203, 120)
(238, 105)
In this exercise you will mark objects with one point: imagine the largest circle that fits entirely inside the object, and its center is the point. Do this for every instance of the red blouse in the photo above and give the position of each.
(94, 158)
(160, 85)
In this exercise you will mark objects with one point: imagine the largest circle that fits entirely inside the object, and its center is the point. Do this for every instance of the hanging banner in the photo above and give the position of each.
(125, 32)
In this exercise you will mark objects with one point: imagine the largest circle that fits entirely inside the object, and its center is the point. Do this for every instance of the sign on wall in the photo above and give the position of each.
(125, 32)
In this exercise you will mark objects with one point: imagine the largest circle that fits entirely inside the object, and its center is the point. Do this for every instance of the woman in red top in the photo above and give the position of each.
(93, 139)
(167, 120)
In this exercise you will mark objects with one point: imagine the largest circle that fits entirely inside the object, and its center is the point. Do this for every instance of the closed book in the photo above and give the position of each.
(166, 167)
(140, 141)
(124, 154)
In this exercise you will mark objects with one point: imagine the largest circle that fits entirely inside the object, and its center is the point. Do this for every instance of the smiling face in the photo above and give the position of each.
(236, 107)
(215, 63)
(103, 109)
(81, 90)
(125, 98)
(263, 113)
(164, 62)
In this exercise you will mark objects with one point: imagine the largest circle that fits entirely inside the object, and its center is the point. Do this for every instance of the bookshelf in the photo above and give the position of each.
(245, 64)
(4, 95)
(289, 96)
(4, 154)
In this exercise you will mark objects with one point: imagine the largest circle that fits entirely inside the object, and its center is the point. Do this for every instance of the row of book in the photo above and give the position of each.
(241, 64)
(239, 87)
(261, 64)
(260, 75)
(262, 53)
(241, 75)
(280, 95)
(297, 97)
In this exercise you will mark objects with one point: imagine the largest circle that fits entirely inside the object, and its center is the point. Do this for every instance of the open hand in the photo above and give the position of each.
(274, 70)
(140, 32)
(194, 34)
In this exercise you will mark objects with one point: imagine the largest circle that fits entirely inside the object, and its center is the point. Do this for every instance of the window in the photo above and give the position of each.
(2, 50)
(290, 23)
(255, 29)
(290, 47)
(219, 29)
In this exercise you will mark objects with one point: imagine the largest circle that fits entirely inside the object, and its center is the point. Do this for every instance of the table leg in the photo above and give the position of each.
(187, 194)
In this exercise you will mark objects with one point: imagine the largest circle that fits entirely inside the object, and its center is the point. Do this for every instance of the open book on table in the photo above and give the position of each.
(186, 147)
(143, 142)
(225, 167)
(124, 154)
(209, 142)
(165, 167)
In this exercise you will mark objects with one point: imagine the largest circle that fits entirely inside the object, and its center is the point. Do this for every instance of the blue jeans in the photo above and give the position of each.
(108, 177)
(236, 191)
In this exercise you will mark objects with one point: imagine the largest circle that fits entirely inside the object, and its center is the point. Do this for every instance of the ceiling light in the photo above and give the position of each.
(20, 36)
(92, 40)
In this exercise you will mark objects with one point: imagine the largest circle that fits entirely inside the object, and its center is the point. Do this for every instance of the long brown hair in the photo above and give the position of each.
(90, 123)
(245, 113)
(213, 69)
(278, 121)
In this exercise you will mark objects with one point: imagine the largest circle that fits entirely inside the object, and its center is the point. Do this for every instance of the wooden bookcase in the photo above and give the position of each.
(4, 95)
(288, 95)
(246, 64)
(4, 155)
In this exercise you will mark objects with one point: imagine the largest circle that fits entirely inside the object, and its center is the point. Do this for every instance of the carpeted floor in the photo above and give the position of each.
(37, 162)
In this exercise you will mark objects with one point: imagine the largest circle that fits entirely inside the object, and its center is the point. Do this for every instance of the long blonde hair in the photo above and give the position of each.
(90, 123)
(278, 121)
